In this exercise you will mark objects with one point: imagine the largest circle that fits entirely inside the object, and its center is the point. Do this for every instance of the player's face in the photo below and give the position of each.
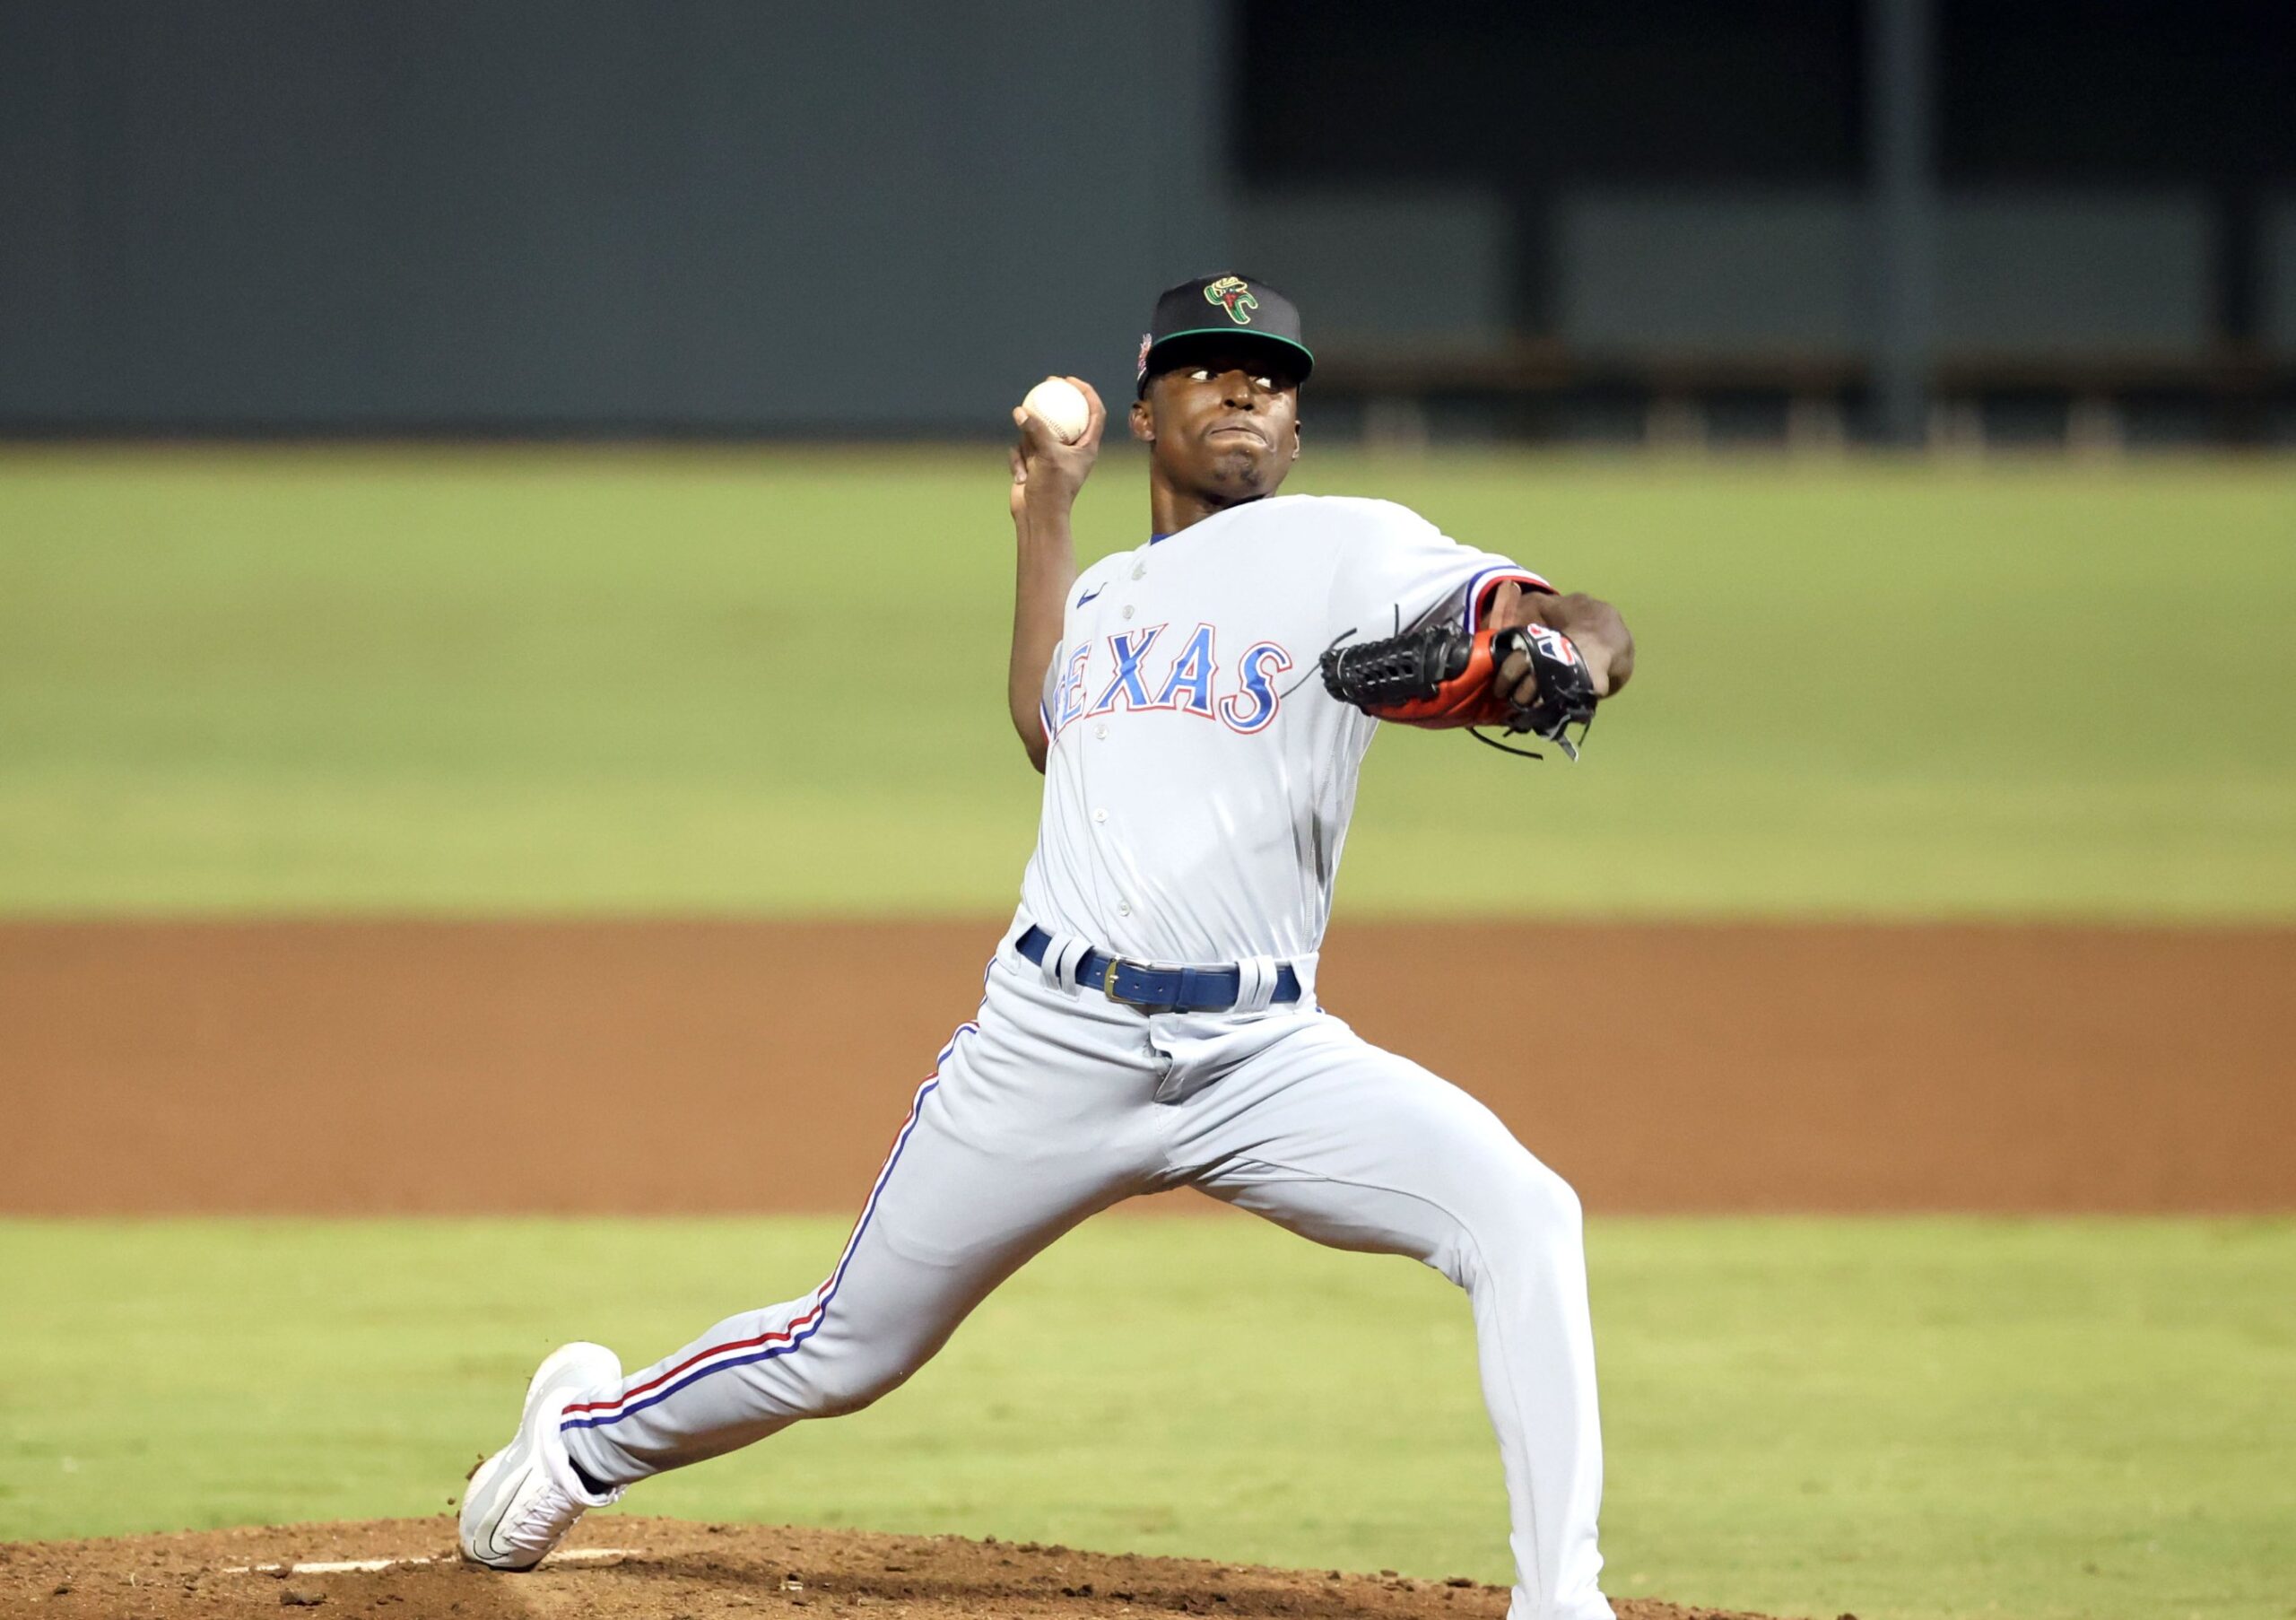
(1225, 426)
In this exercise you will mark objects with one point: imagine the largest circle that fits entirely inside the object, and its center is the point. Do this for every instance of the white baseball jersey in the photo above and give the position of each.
(1200, 779)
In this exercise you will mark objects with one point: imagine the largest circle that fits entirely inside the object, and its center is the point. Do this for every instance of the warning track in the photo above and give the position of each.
(341, 1067)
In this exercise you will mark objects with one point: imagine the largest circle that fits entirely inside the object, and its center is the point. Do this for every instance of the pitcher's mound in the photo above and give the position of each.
(615, 1567)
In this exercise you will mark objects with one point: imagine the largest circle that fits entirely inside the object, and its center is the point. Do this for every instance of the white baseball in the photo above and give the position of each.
(1061, 406)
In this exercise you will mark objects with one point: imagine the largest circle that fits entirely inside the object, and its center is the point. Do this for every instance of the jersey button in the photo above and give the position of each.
(1099, 816)
(1140, 570)
(1100, 729)
(1123, 909)
(1127, 611)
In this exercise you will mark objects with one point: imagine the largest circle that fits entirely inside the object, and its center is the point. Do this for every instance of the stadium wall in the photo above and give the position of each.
(264, 215)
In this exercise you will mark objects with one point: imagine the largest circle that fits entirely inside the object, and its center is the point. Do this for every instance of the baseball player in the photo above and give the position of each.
(1150, 1018)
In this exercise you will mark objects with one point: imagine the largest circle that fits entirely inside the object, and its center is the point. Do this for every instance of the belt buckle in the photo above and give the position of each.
(1109, 989)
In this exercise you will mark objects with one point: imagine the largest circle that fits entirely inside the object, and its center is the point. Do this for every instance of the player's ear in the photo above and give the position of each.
(1295, 438)
(1143, 420)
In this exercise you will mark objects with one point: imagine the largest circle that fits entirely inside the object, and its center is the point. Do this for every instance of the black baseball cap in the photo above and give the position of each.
(1223, 307)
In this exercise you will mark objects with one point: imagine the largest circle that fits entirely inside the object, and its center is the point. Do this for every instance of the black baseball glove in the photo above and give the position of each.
(1439, 676)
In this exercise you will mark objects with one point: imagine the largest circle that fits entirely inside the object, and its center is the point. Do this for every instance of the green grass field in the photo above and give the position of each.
(1906, 1419)
(583, 680)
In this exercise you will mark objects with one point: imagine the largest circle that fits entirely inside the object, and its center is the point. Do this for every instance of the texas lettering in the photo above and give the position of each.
(1152, 669)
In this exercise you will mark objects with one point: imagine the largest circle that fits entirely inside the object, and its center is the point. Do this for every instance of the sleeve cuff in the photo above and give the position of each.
(1479, 589)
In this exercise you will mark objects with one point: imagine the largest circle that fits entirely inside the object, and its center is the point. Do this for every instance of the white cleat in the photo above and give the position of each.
(524, 1499)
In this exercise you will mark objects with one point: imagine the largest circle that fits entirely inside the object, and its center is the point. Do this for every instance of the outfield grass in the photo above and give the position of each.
(1905, 1419)
(578, 680)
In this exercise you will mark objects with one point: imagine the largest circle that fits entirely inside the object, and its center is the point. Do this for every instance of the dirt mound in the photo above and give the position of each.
(620, 1568)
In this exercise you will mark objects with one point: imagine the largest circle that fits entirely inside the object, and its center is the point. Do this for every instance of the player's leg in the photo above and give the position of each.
(1356, 1148)
(978, 1180)
(1032, 1120)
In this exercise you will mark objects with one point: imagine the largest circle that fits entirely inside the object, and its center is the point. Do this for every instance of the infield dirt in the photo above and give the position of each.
(689, 1066)
(666, 1569)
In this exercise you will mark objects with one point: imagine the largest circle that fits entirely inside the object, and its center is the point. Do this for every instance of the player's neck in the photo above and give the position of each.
(1171, 510)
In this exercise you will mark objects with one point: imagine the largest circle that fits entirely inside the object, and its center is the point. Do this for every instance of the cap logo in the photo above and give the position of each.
(1232, 294)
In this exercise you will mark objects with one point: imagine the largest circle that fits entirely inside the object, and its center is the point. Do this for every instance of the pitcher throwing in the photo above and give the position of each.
(1150, 1018)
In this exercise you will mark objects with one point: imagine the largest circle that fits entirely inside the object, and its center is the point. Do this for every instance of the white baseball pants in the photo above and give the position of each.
(1058, 1103)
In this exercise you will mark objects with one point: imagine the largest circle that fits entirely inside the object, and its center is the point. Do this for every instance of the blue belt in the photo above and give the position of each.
(1159, 990)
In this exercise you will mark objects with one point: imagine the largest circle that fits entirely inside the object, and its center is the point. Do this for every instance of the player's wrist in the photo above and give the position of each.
(1046, 522)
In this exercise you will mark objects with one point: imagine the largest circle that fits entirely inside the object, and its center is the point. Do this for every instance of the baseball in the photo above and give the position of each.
(1061, 406)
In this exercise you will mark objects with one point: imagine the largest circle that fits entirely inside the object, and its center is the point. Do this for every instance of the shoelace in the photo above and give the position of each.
(541, 1521)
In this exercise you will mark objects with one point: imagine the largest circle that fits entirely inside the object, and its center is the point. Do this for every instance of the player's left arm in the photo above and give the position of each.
(1593, 625)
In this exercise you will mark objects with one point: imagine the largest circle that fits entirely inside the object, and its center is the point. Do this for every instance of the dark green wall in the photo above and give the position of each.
(704, 215)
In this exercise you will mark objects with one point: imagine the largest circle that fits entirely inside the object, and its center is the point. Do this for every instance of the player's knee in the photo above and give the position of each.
(848, 1386)
(1542, 1201)
(1513, 1207)
(1561, 1198)
(1517, 1212)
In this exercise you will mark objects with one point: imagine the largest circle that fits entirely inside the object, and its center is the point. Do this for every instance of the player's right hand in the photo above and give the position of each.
(1047, 473)
(1594, 627)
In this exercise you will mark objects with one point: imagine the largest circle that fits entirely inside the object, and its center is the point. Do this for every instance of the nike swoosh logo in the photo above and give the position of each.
(1082, 600)
(492, 1540)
